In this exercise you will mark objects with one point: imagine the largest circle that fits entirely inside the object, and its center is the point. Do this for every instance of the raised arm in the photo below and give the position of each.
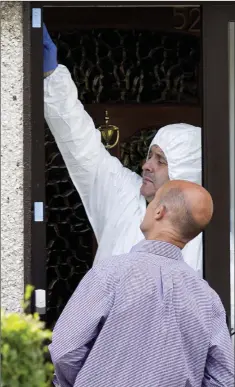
(98, 177)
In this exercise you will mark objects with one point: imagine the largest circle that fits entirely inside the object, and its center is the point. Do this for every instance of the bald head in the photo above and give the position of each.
(180, 209)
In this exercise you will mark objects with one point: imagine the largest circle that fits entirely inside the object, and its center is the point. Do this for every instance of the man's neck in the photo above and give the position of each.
(165, 237)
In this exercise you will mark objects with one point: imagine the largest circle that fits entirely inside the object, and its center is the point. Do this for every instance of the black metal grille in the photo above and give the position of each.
(107, 66)
(131, 66)
(69, 234)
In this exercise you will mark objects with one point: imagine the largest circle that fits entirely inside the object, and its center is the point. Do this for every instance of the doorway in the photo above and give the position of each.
(143, 65)
(144, 78)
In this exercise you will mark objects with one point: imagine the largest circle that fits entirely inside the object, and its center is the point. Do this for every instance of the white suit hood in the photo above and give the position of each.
(181, 144)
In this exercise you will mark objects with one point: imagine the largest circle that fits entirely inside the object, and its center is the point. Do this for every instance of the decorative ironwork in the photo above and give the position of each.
(107, 66)
(69, 234)
(131, 66)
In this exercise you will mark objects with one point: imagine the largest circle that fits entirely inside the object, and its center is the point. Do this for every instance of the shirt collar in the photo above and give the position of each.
(158, 248)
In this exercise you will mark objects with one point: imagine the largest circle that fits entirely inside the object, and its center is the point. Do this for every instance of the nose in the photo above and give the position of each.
(147, 166)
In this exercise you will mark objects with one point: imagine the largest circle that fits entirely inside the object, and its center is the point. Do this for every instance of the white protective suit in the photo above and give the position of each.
(111, 193)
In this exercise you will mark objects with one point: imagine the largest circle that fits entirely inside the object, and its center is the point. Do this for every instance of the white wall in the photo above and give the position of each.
(12, 217)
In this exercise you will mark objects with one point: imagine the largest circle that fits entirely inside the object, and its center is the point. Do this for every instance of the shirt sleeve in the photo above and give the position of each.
(101, 180)
(219, 370)
(79, 325)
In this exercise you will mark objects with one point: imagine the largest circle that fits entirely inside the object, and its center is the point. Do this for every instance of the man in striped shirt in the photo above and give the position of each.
(146, 319)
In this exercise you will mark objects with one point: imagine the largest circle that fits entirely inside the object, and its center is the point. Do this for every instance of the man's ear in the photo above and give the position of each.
(159, 212)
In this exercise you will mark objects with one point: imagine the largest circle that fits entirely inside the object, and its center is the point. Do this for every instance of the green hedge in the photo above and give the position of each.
(24, 349)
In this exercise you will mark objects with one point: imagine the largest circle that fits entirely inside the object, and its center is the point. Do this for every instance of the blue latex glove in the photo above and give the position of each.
(49, 52)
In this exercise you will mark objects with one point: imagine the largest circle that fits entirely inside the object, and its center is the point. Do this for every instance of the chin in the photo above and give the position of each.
(149, 196)
(146, 192)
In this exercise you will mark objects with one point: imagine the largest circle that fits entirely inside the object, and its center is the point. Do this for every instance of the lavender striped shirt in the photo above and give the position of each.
(144, 319)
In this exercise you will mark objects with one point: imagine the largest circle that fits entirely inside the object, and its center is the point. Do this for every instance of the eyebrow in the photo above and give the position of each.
(157, 151)
(160, 154)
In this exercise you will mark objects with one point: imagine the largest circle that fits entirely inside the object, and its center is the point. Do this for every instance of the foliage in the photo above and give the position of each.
(24, 348)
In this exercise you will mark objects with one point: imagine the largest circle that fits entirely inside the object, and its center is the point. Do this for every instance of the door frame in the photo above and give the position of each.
(216, 171)
(213, 39)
